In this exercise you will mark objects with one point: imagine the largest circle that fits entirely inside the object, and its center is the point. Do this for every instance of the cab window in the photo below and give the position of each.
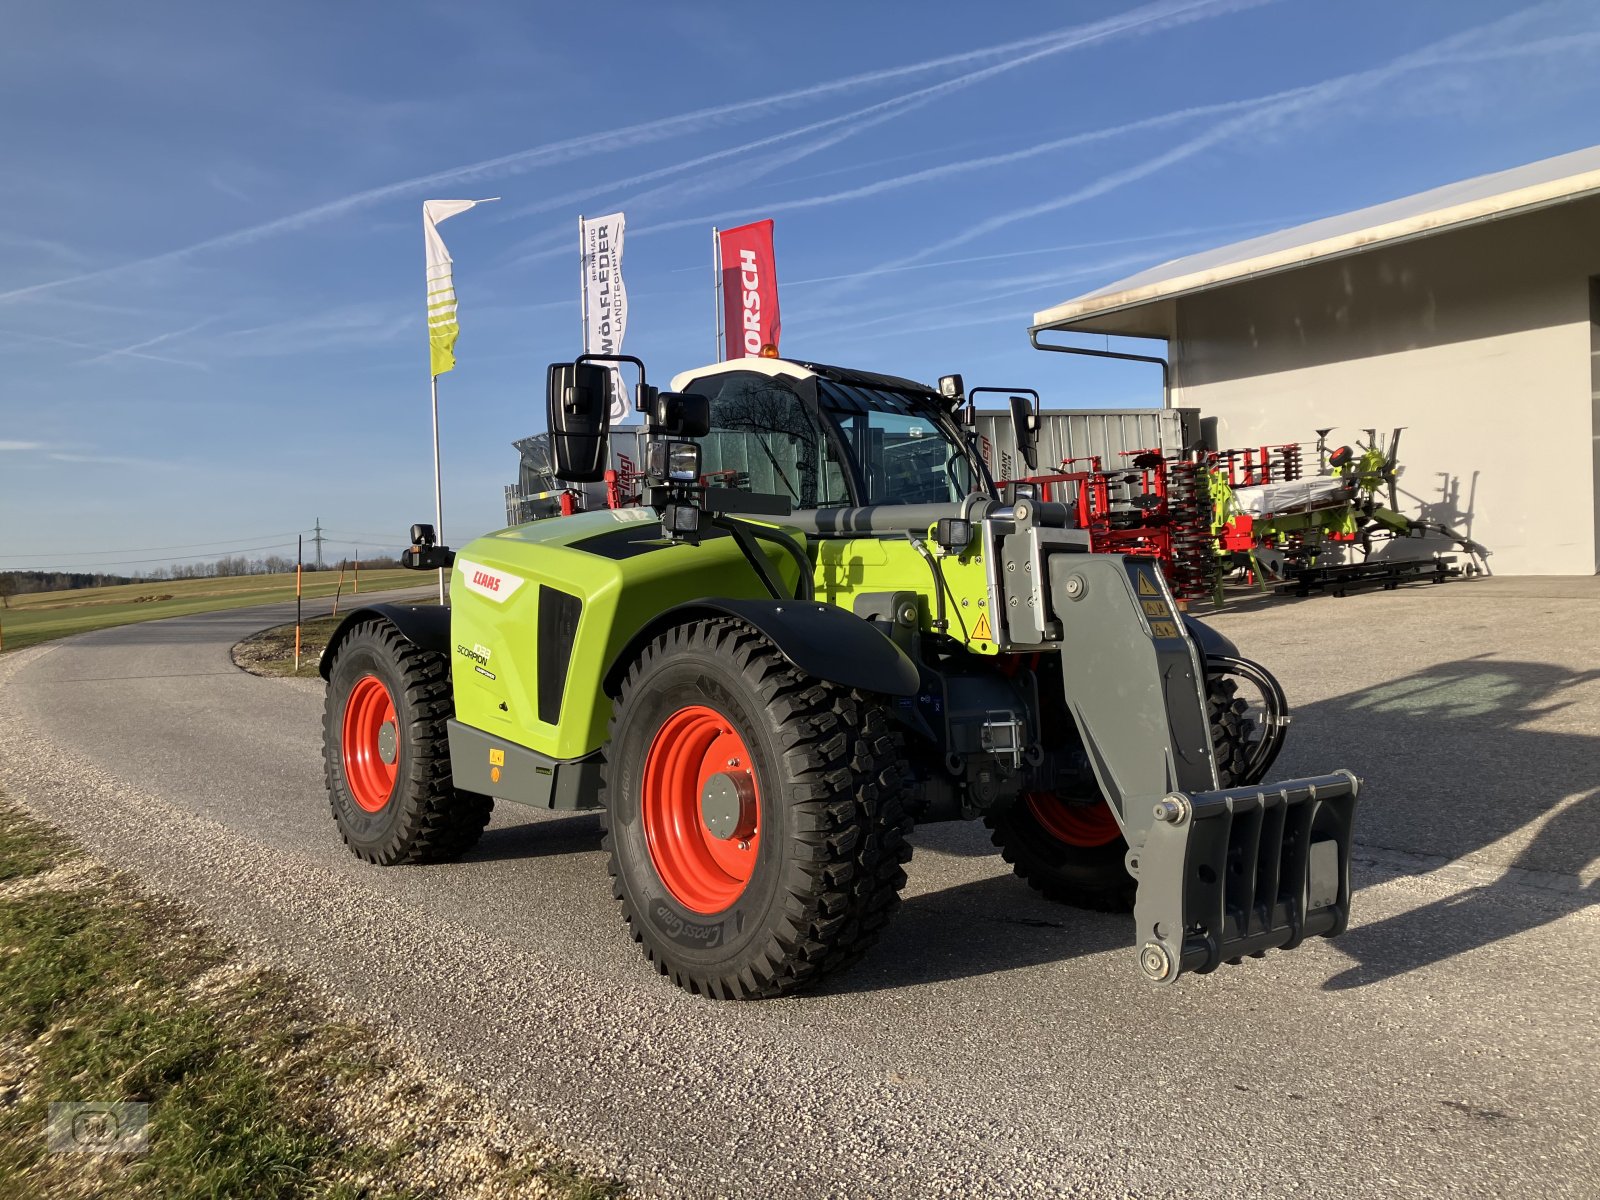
(767, 437)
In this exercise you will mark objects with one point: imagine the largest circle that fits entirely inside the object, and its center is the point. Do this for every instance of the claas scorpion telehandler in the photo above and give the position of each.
(823, 625)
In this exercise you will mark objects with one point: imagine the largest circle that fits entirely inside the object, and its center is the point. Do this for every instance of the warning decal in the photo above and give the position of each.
(1147, 586)
(980, 631)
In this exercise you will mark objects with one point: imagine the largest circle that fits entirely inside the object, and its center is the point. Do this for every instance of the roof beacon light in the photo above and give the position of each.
(768, 350)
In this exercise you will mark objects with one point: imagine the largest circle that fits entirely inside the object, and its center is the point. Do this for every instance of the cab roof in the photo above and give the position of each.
(796, 369)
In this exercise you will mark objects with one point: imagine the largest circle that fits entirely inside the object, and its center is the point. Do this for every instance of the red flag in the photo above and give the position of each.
(749, 289)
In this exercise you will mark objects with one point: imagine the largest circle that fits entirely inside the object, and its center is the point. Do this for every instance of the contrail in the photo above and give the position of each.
(133, 351)
(75, 345)
(1149, 18)
(876, 114)
(1444, 52)
(965, 166)
(854, 122)
(1033, 251)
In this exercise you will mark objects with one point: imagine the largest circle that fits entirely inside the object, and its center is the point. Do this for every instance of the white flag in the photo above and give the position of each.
(605, 299)
(442, 324)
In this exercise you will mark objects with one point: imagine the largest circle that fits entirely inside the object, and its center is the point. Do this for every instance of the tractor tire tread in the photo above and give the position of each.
(846, 775)
(440, 822)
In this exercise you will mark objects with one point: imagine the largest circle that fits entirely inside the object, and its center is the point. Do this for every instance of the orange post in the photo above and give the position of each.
(299, 568)
(358, 576)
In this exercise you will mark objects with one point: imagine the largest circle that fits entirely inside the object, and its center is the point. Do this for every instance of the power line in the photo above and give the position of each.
(145, 549)
(89, 568)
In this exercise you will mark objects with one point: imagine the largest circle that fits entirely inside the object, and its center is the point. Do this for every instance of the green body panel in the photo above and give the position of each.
(848, 567)
(494, 620)
(495, 629)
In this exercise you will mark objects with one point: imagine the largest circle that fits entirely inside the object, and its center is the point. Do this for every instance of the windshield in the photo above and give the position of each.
(826, 445)
(903, 455)
(768, 437)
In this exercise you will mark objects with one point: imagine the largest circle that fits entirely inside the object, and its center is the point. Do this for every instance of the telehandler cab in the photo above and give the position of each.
(824, 625)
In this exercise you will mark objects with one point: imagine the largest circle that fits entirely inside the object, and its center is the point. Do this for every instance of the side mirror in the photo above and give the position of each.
(578, 408)
(1025, 420)
(680, 414)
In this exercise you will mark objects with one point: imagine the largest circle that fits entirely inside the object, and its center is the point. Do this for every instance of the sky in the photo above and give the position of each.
(211, 258)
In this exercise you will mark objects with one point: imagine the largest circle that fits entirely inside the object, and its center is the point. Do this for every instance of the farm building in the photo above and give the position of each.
(1469, 314)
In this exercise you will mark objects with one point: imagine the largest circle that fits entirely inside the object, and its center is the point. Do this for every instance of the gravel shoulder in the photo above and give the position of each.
(993, 1044)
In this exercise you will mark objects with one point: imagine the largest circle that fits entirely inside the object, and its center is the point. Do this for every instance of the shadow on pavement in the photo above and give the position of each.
(1455, 767)
(978, 928)
(1462, 760)
(1465, 760)
(539, 837)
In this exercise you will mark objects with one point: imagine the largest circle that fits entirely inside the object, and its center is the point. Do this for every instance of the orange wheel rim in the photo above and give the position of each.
(1075, 824)
(696, 754)
(371, 743)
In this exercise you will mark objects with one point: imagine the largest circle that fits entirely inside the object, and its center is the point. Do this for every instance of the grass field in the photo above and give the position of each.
(41, 616)
(253, 1086)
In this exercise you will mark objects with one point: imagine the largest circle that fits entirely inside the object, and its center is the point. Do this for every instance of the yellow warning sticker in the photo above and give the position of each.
(1147, 586)
(1155, 608)
(1163, 629)
(497, 758)
(980, 631)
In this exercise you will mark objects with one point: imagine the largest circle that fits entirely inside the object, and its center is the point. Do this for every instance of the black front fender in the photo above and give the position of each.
(818, 639)
(1211, 642)
(424, 625)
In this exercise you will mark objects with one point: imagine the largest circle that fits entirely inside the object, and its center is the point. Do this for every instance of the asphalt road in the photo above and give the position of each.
(993, 1044)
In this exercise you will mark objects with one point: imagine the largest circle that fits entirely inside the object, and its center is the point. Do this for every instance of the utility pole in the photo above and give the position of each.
(318, 539)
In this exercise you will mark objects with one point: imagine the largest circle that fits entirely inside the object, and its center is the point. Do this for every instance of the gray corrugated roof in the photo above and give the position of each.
(1551, 180)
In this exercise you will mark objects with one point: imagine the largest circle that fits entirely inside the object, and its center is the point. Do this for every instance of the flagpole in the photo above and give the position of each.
(716, 289)
(438, 490)
(438, 260)
(583, 288)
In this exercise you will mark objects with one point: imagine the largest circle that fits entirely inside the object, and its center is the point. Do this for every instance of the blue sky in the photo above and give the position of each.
(211, 270)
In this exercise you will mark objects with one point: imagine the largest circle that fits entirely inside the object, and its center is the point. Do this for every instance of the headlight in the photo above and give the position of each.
(683, 462)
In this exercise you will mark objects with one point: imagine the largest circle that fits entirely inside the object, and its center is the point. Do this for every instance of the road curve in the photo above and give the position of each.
(994, 1044)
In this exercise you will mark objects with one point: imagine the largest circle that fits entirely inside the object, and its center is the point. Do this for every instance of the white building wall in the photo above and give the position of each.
(1478, 341)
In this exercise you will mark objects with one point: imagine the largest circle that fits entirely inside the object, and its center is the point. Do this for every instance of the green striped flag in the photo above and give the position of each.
(442, 324)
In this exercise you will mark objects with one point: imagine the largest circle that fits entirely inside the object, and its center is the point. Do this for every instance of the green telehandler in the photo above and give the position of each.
(823, 625)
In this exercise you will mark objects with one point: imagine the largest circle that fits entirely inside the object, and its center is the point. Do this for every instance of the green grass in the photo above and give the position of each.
(271, 652)
(41, 616)
(111, 996)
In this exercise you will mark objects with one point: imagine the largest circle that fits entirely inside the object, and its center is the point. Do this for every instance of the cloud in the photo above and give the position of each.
(1150, 18)
(10, 445)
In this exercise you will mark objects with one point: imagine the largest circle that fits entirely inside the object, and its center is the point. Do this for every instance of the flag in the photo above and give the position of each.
(749, 289)
(442, 325)
(605, 299)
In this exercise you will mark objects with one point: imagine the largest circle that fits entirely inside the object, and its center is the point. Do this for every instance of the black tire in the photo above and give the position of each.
(424, 819)
(1096, 877)
(829, 855)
